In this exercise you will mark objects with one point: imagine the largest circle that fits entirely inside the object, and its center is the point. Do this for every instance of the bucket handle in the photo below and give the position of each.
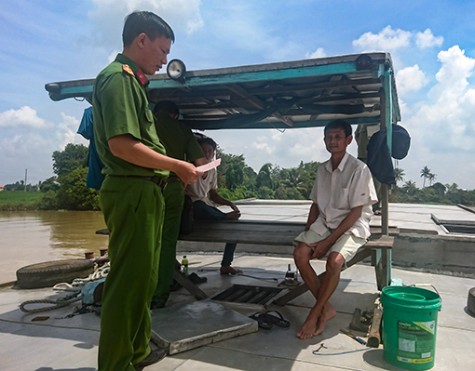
(427, 284)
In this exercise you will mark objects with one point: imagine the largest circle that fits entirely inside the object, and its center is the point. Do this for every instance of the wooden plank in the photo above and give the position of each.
(374, 334)
(190, 286)
(259, 232)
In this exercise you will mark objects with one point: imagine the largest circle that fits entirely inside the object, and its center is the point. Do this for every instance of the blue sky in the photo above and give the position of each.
(431, 44)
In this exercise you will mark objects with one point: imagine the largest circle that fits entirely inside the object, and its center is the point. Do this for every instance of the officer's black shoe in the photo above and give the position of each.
(175, 286)
(157, 304)
(155, 356)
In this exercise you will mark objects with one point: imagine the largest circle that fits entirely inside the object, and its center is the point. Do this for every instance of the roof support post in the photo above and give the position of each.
(384, 187)
(386, 122)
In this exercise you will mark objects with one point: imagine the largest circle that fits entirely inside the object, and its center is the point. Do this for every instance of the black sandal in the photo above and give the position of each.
(266, 320)
(261, 321)
(197, 279)
(277, 319)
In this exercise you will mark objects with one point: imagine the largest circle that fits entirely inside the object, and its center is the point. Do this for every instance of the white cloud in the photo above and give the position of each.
(109, 15)
(263, 147)
(441, 126)
(410, 79)
(67, 132)
(427, 39)
(23, 117)
(31, 146)
(387, 40)
(456, 68)
(319, 53)
(393, 40)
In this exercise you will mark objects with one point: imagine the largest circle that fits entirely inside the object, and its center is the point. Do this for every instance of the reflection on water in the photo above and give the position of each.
(28, 237)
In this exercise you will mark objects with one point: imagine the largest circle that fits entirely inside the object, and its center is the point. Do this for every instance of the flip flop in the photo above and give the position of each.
(267, 320)
(197, 279)
(262, 323)
(275, 319)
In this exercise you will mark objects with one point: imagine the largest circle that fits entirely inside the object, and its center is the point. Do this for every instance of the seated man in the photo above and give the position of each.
(204, 195)
(337, 224)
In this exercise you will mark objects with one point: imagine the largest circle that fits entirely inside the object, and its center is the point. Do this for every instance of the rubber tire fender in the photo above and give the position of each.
(48, 274)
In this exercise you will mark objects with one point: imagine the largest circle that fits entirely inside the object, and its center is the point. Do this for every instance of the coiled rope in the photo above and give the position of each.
(74, 287)
(54, 304)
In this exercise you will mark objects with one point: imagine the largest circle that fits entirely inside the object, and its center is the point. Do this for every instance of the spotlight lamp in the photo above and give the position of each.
(176, 70)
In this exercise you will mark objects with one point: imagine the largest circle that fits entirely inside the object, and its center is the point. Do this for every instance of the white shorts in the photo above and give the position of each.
(347, 245)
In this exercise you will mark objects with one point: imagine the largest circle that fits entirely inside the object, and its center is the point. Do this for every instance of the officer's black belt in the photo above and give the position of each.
(173, 179)
(158, 180)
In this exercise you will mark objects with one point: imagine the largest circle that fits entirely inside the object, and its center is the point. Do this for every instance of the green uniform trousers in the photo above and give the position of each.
(133, 211)
(174, 195)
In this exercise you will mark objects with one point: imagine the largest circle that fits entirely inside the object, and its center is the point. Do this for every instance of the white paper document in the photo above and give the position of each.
(207, 167)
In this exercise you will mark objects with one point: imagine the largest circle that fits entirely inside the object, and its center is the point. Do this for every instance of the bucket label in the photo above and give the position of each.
(416, 342)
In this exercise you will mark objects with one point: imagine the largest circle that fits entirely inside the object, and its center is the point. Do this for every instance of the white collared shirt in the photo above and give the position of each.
(337, 192)
(199, 190)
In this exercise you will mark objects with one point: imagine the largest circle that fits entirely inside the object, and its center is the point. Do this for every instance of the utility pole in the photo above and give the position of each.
(26, 177)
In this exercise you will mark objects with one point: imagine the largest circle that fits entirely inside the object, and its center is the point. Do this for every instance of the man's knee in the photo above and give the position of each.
(335, 263)
(301, 253)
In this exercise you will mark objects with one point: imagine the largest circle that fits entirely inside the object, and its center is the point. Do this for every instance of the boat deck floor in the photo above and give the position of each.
(49, 341)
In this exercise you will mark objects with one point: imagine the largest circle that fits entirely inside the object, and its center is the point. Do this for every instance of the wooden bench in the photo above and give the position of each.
(379, 247)
(282, 234)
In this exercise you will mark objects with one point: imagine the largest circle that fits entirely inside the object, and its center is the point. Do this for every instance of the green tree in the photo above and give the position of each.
(399, 174)
(452, 188)
(425, 173)
(264, 177)
(231, 170)
(73, 193)
(265, 193)
(289, 182)
(249, 181)
(50, 184)
(49, 201)
(410, 187)
(439, 189)
(72, 157)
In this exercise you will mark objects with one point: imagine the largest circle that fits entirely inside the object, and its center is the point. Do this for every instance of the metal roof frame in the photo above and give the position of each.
(285, 95)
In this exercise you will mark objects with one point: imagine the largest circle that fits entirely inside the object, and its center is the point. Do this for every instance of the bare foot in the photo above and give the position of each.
(309, 327)
(329, 312)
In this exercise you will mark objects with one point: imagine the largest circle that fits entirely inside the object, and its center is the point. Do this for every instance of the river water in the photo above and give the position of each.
(29, 237)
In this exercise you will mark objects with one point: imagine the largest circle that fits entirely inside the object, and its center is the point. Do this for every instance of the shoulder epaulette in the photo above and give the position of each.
(126, 68)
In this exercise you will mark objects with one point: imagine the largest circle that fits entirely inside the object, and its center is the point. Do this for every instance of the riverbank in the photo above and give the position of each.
(20, 200)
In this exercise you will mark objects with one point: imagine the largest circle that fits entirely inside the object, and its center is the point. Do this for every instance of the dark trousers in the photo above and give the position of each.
(203, 211)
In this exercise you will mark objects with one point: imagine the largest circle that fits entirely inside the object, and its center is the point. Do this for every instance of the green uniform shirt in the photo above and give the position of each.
(178, 139)
(121, 107)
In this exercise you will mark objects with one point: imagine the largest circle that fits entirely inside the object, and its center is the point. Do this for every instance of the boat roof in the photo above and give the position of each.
(296, 94)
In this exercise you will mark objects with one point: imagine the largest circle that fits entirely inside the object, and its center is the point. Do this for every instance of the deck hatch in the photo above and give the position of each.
(248, 294)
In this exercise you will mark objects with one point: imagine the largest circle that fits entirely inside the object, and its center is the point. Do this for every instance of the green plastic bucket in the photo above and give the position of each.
(409, 326)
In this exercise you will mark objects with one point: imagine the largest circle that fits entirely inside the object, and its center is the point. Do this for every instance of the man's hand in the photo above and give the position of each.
(233, 215)
(233, 206)
(187, 172)
(320, 248)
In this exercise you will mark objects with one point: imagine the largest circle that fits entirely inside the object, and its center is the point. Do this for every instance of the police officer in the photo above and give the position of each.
(136, 170)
